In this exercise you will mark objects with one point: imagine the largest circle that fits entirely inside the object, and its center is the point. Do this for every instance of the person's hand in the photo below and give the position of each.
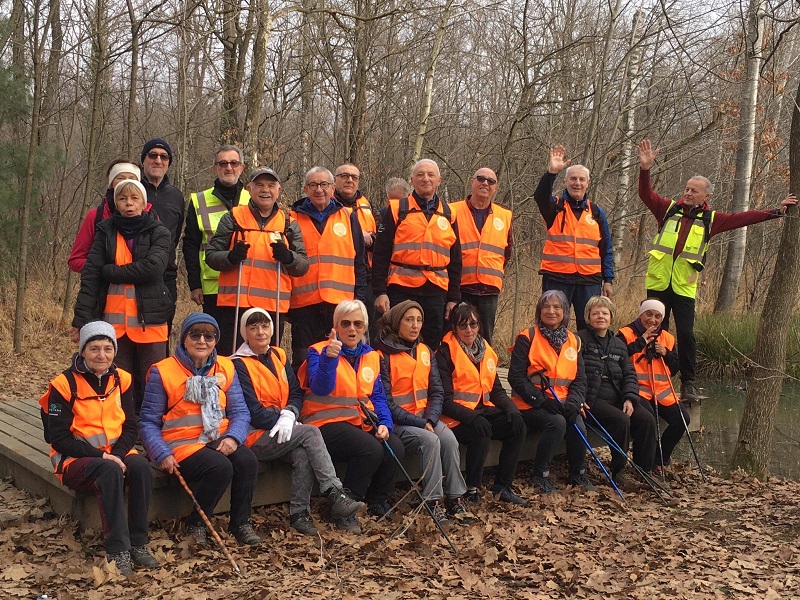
(553, 406)
(382, 433)
(382, 303)
(227, 446)
(627, 407)
(238, 253)
(115, 459)
(447, 308)
(74, 335)
(608, 289)
(790, 200)
(368, 239)
(334, 346)
(647, 155)
(482, 427)
(517, 423)
(281, 252)
(557, 161)
(661, 350)
(429, 427)
(571, 412)
(169, 465)
(283, 428)
(197, 296)
(650, 334)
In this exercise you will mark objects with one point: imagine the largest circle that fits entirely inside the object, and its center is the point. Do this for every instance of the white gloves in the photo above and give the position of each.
(284, 426)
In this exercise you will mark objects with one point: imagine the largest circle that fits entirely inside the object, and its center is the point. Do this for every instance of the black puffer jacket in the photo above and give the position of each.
(151, 251)
(607, 358)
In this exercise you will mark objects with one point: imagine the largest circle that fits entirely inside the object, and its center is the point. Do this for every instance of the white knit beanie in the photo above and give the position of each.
(96, 330)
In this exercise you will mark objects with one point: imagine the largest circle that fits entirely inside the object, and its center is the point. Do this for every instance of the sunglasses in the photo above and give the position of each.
(157, 156)
(208, 337)
(224, 164)
(346, 324)
(468, 324)
(482, 179)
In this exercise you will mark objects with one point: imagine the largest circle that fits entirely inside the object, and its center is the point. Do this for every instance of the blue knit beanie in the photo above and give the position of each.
(156, 143)
(196, 318)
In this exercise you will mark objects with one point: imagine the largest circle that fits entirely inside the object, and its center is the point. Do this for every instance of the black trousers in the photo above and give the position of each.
(682, 308)
(105, 480)
(487, 312)
(371, 470)
(310, 324)
(432, 306)
(639, 427)
(674, 431)
(137, 359)
(208, 473)
(577, 296)
(478, 449)
(554, 428)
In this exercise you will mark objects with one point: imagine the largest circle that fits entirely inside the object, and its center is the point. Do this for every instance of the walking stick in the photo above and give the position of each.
(236, 315)
(652, 378)
(683, 419)
(278, 308)
(206, 520)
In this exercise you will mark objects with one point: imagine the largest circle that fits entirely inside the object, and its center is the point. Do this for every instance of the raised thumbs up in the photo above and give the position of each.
(334, 345)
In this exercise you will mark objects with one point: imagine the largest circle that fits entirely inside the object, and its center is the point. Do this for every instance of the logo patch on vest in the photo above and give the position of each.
(339, 230)
(425, 358)
(490, 365)
(221, 380)
(284, 378)
(498, 224)
(590, 219)
(442, 223)
(367, 374)
(571, 354)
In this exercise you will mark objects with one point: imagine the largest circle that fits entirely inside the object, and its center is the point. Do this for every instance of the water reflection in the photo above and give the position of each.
(722, 412)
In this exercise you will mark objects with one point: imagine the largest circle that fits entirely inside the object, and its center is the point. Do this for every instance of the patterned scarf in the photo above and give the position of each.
(204, 390)
(476, 351)
(556, 337)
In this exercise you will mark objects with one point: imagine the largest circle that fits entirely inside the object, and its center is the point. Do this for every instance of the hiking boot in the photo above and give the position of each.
(627, 482)
(349, 524)
(302, 523)
(580, 480)
(141, 557)
(472, 496)
(199, 532)
(438, 513)
(504, 494)
(381, 509)
(543, 485)
(123, 562)
(342, 505)
(245, 535)
(689, 392)
(459, 512)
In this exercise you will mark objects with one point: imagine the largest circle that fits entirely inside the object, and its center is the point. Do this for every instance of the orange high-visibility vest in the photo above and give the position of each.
(572, 245)
(409, 378)
(121, 309)
(97, 419)
(342, 405)
(658, 369)
(561, 369)
(366, 219)
(183, 421)
(483, 253)
(260, 268)
(421, 250)
(331, 275)
(272, 391)
(470, 385)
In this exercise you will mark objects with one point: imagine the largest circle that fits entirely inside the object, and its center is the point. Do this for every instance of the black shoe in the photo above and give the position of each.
(689, 392)
(381, 510)
(246, 536)
(504, 494)
(123, 562)
(342, 505)
(459, 512)
(199, 532)
(438, 513)
(543, 485)
(348, 524)
(302, 523)
(580, 480)
(472, 496)
(141, 557)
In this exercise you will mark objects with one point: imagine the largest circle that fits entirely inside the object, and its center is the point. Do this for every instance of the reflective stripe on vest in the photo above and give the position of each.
(572, 246)
(331, 275)
(122, 310)
(483, 253)
(560, 369)
(657, 369)
(470, 385)
(209, 210)
(409, 379)
(259, 284)
(270, 390)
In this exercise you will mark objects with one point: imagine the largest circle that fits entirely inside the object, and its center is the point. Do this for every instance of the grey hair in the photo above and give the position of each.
(346, 307)
(423, 161)
(394, 182)
(707, 181)
(575, 167)
(314, 170)
(602, 301)
(229, 148)
(553, 295)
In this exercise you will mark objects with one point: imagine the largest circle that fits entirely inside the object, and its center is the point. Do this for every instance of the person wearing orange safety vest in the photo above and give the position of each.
(337, 270)
(89, 418)
(655, 359)
(122, 283)
(486, 243)
(578, 256)
(476, 407)
(344, 397)
(194, 420)
(548, 354)
(262, 241)
(417, 254)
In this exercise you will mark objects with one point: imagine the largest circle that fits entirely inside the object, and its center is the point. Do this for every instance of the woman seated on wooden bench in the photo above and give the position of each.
(89, 419)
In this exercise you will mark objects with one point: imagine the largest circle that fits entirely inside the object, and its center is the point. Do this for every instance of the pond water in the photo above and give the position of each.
(721, 414)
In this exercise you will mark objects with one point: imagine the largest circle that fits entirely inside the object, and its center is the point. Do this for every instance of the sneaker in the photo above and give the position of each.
(581, 480)
(199, 532)
(689, 392)
(438, 513)
(123, 562)
(246, 535)
(381, 510)
(302, 523)
(348, 524)
(141, 557)
(504, 494)
(543, 484)
(472, 496)
(342, 505)
(457, 510)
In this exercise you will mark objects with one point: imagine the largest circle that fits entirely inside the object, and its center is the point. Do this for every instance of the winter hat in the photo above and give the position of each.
(249, 313)
(97, 330)
(156, 143)
(652, 304)
(197, 318)
(135, 182)
(124, 167)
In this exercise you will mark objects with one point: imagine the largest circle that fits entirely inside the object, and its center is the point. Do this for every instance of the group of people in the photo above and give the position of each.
(372, 304)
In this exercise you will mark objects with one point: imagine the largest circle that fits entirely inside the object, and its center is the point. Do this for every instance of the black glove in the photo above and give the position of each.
(281, 252)
(517, 424)
(570, 412)
(482, 427)
(238, 253)
(553, 406)
(650, 351)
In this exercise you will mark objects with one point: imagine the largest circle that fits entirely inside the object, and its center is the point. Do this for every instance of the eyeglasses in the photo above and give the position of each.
(208, 337)
(313, 185)
(483, 179)
(158, 156)
(224, 164)
(352, 176)
(346, 324)
(468, 324)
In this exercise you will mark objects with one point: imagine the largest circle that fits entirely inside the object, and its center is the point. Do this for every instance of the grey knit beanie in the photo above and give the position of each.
(97, 330)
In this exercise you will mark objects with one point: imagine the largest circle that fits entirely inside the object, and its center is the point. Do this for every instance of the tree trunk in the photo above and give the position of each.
(765, 381)
(135, 28)
(258, 77)
(734, 262)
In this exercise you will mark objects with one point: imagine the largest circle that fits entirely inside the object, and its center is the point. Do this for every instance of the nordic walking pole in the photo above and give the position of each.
(206, 520)
(371, 417)
(683, 419)
(278, 308)
(652, 377)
